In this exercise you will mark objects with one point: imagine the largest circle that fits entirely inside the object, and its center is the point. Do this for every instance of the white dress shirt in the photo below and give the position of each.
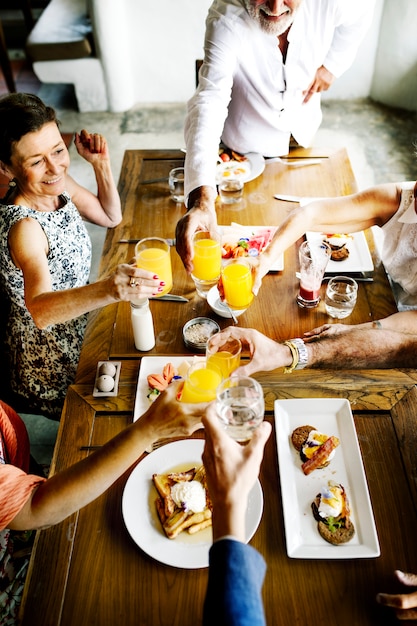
(248, 97)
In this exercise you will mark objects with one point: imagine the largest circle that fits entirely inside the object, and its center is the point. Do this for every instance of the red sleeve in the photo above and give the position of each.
(15, 489)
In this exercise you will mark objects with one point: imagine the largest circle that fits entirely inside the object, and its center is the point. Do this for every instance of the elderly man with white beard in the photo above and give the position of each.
(265, 64)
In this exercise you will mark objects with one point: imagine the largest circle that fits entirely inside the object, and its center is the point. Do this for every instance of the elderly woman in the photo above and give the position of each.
(45, 252)
(29, 501)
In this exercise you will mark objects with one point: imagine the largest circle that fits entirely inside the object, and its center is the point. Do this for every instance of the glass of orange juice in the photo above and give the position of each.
(207, 261)
(201, 382)
(225, 354)
(153, 254)
(237, 282)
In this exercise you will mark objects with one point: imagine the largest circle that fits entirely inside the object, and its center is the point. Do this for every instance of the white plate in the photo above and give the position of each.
(359, 259)
(216, 305)
(254, 166)
(139, 513)
(154, 365)
(332, 416)
(235, 232)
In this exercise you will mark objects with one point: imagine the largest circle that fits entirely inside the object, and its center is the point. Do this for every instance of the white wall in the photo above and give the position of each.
(356, 82)
(395, 75)
(148, 50)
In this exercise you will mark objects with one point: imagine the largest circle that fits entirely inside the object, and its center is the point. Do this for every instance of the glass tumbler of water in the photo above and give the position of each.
(240, 406)
(341, 294)
(176, 184)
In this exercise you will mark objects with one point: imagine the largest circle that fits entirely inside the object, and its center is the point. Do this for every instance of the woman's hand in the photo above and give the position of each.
(129, 282)
(91, 146)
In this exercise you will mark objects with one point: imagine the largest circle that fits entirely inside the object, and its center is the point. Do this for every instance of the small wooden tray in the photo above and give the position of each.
(101, 394)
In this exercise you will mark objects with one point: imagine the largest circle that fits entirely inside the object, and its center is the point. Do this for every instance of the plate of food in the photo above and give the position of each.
(250, 241)
(188, 550)
(350, 252)
(245, 167)
(325, 498)
(162, 369)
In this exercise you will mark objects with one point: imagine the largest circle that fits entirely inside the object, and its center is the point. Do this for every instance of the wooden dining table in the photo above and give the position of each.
(87, 570)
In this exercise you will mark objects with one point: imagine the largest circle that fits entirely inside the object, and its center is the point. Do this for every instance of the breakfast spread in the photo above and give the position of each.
(316, 449)
(331, 511)
(183, 503)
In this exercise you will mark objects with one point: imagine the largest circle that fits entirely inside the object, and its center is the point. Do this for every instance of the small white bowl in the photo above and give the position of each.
(213, 298)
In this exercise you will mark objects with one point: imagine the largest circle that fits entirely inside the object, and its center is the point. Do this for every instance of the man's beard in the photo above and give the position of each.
(259, 14)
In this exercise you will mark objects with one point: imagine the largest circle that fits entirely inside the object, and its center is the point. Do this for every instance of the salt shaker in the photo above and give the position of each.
(142, 325)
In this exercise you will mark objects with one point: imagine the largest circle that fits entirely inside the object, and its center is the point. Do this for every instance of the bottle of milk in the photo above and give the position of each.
(142, 325)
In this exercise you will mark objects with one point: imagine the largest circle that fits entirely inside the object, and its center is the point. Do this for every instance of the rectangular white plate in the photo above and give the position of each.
(236, 231)
(332, 416)
(154, 365)
(359, 259)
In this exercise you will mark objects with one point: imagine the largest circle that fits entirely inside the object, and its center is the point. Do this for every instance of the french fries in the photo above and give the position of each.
(175, 519)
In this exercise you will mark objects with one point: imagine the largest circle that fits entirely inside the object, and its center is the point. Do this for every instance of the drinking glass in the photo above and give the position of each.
(224, 354)
(237, 282)
(341, 294)
(231, 190)
(240, 406)
(176, 184)
(314, 256)
(207, 261)
(153, 254)
(201, 382)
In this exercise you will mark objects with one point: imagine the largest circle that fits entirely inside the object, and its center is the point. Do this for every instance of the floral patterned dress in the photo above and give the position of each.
(42, 363)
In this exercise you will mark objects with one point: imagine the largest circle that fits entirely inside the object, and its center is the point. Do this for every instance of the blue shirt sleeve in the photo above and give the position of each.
(234, 591)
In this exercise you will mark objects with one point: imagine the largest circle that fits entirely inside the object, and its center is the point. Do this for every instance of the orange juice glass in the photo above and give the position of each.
(207, 261)
(224, 354)
(201, 383)
(237, 283)
(153, 254)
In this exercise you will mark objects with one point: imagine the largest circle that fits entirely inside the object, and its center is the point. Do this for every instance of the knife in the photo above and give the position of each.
(153, 180)
(171, 297)
(299, 199)
(170, 242)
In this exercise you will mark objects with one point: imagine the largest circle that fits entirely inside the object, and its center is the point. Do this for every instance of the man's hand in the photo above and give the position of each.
(405, 604)
(322, 81)
(201, 215)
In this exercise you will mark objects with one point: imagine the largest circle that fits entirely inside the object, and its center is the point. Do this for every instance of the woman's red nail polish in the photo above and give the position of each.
(160, 289)
(155, 276)
(162, 283)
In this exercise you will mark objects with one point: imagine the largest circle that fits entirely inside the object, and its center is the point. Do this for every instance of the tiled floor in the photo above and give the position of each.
(380, 142)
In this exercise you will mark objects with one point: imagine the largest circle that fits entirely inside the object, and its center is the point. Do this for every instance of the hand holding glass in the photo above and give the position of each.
(201, 382)
(153, 254)
(237, 282)
(207, 261)
(341, 294)
(240, 406)
(314, 256)
(224, 354)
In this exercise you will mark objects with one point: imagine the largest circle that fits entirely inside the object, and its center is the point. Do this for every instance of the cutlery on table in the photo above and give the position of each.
(299, 199)
(171, 242)
(360, 277)
(296, 162)
(153, 180)
(169, 297)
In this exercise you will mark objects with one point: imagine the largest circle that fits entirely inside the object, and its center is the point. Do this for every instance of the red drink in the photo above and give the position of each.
(309, 294)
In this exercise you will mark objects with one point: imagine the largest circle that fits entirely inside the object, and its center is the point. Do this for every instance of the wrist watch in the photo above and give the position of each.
(302, 353)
